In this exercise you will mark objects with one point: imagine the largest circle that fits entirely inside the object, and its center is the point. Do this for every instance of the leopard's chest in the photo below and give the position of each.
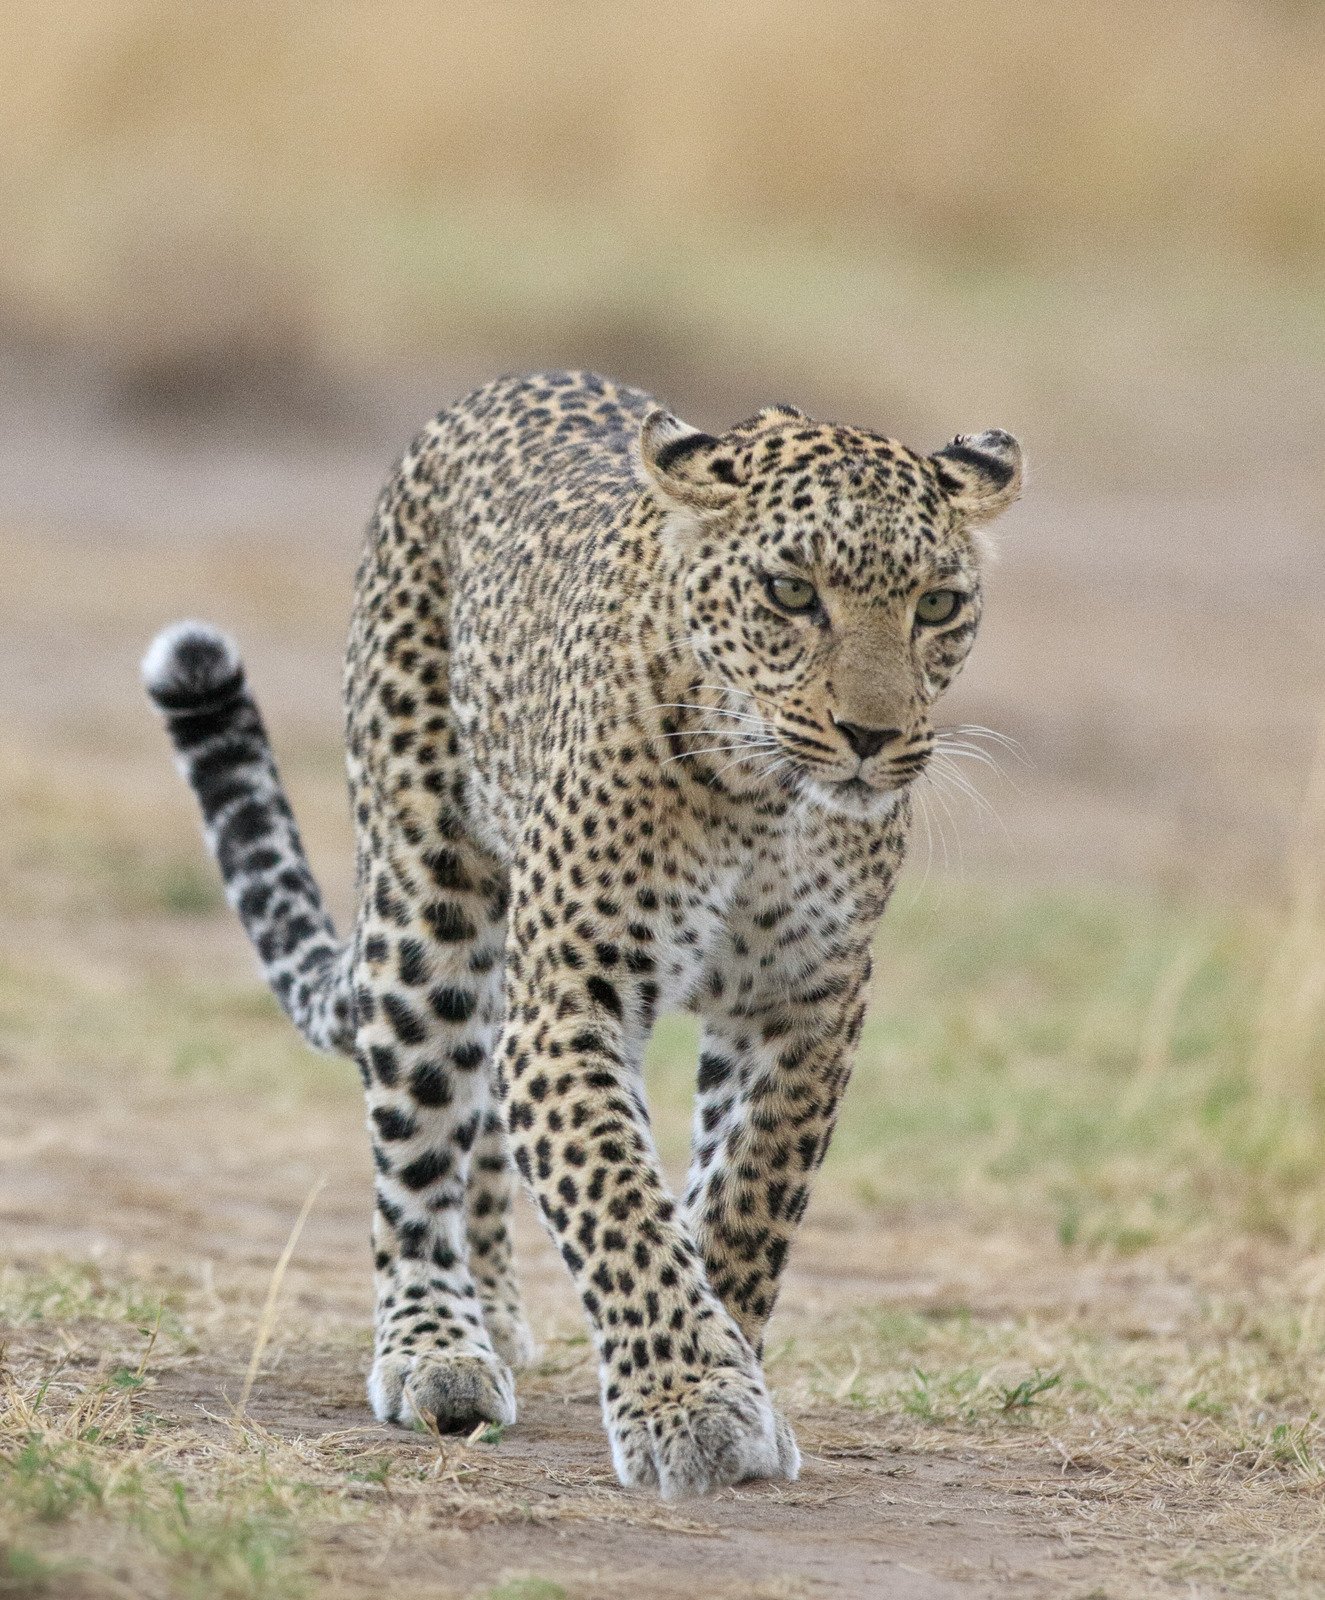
(724, 904)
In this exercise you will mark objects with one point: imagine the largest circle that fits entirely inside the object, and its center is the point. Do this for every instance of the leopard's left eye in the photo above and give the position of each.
(792, 594)
(939, 605)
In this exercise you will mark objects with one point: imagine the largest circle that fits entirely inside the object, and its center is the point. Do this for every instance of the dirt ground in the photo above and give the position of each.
(189, 1185)
(207, 1202)
(1161, 663)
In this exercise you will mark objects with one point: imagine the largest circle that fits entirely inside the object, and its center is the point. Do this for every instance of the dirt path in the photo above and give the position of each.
(196, 1187)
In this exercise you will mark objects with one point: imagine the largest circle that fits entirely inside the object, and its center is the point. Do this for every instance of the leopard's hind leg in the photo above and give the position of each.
(492, 1185)
(428, 1000)
(427, 994)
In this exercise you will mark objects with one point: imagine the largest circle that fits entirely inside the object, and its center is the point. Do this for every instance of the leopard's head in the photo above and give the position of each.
(831, 584)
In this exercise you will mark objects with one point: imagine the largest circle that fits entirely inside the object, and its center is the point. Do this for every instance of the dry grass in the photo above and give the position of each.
(97, 1496)
(1180, 1457)
(102, 1493)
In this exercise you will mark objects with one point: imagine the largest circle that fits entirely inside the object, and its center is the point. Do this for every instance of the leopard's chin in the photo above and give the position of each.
(855, 798)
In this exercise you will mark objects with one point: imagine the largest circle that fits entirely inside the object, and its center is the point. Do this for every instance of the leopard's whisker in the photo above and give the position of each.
(735, 762)
(638, 712)
(960, 753)
(956, 747)
(940, 829)
(929, 843)
(976, 730)
(717, 711)
(720, 749)
(962, 784)
(784, 770)
(938, 788)
(727, 688)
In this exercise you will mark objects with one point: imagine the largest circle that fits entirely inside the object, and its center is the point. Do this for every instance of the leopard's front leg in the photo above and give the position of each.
(771, 1077)
(684, 1400)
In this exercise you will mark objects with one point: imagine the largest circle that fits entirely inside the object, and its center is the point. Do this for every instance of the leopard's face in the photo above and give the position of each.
(834, 592)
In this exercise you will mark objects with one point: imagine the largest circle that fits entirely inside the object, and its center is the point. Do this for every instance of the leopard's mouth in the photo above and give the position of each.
(854, 797)
(855, 794)
(898, 775)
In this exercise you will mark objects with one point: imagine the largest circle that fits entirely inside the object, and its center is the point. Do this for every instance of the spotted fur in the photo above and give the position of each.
(598, 769)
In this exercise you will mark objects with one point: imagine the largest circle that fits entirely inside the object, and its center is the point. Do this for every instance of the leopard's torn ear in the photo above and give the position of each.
(981, 473)
(770, 416)
(690, 468)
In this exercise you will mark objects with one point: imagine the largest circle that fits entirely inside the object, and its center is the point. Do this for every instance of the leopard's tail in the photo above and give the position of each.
(194, 675)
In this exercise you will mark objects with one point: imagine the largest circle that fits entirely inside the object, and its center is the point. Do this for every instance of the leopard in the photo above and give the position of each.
(635, 713)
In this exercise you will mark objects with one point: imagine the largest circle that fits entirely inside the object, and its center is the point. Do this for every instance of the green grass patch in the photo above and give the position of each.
(228, 1550)
(24, 1572)
(64, 1292)
(527, 1589)
(185, 1031)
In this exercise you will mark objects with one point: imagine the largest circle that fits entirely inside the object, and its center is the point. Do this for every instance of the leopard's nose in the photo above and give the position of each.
(866, 742)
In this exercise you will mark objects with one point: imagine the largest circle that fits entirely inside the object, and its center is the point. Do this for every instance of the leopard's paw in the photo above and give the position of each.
(455, 1389)
(718, 1429)
(789, 1452)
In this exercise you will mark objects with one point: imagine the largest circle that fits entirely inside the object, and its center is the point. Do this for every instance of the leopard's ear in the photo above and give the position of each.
(981, 473)
(780, 411)
(690, 468)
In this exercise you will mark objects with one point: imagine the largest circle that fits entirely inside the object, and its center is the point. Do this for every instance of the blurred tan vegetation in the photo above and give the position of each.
(898, 205)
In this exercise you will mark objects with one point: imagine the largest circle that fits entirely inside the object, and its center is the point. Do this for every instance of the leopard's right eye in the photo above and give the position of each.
(792, 594)
(938, 606)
